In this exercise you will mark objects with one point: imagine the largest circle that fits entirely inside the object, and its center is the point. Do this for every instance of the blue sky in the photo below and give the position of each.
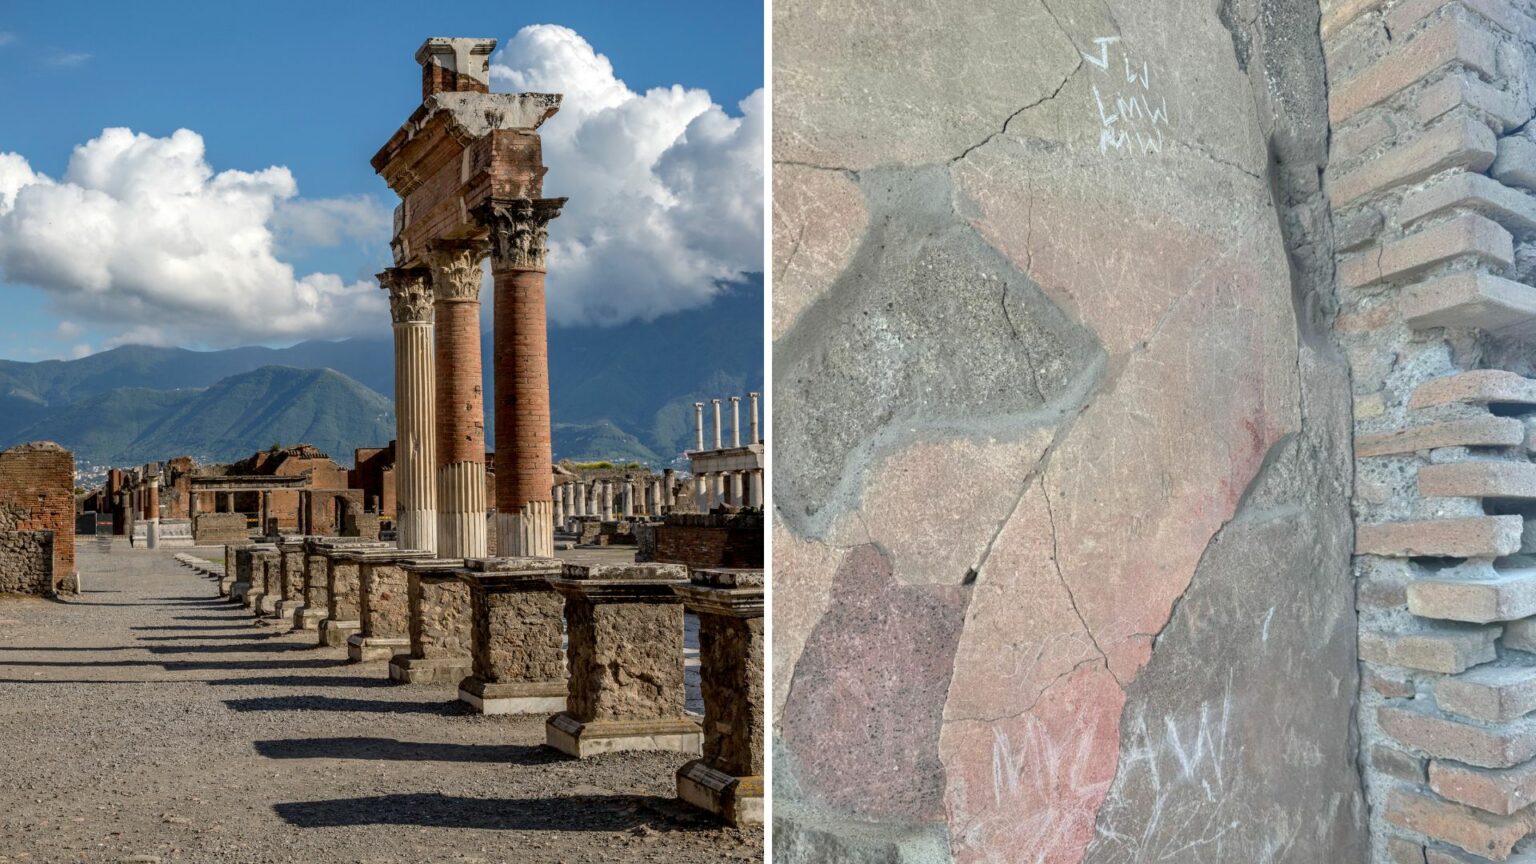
(317, 88)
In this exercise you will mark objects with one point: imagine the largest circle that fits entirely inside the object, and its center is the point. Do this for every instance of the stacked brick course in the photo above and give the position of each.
(37, 493)
(1435, 221)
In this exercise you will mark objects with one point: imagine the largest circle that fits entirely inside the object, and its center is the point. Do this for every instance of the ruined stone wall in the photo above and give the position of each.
(26, 562)
(216, 529)
(37, 493)
(1431, 176)
(1062, 480)
(700, 541)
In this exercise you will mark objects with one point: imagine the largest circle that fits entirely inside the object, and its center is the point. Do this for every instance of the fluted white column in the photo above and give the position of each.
(410, 305)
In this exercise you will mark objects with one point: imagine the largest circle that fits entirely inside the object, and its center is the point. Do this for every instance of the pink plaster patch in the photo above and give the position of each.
(1032, 784)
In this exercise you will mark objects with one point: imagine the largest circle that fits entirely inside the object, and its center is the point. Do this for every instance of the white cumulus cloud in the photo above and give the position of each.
(141, 236)
(665, 186)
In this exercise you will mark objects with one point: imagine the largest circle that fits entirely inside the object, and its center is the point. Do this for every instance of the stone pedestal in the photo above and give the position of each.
(290, 550)
(343, 582)
(625, 631)
(383, 605)
(309, 615)
(231, 570)
(516, 629)
(260, 556)
(438, 603)
(728, 779)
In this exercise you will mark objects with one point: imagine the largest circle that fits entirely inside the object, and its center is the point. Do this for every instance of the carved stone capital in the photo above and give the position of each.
(410, 294)
(519, 229)
(456, 271)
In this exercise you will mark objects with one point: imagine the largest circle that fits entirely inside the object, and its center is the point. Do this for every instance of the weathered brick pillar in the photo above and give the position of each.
(411, 306)
(460, 398)
(624, 627)
(439, 624)
(728, 779)
(516, 633)
(1431, 174)
(384, 610)
(152, 514)
(519, 230)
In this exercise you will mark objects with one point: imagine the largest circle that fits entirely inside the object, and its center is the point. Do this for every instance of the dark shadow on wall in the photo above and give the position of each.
(433, 810)
(310, 702)
(393, 750)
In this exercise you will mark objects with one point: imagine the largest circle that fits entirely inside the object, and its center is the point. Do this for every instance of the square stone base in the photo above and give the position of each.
(237, 592)
(334, 634)
(305, 618)
(737, 800)
(366, 649)
(431, 670)
(575, 738)
(286, 608)
(268, 604)
(251, 599)
(225, 584)
(522, 697)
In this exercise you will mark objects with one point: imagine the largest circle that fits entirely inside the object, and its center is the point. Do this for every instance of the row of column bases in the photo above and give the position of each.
(494, 628)
(627, 498)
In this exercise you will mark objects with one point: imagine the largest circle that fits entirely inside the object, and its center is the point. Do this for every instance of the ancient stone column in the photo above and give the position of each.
(718, 441)
(625, 656)
(698, 425)
(517, 630)
(757, 488)
(728, 779)
(607, 500)
(628, 496)
(668, 495)
(753, 436)
(266, 514)
(559, 493)
(737, 498)
(411, 308)
(735, 421)
(152, 513)
(701, 492)
(519, 229)
(460, 398)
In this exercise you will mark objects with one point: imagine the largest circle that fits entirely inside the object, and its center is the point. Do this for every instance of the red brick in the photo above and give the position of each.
(1420, 727)
(1456, 824)
(1468, 235)
(1478, 387)
(1493, 694)
(1504, 596)
(1454, 41)
(1472, 299)
(1478, 480)
(1503, 791)
(1464, 537)
(1455, 143)
(1447, 651)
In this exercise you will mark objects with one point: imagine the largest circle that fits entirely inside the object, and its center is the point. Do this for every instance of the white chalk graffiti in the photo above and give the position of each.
(1132, 114)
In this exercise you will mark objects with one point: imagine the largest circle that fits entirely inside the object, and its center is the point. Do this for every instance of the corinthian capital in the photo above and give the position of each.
(519, 230)
(410, 294)
(455, 268)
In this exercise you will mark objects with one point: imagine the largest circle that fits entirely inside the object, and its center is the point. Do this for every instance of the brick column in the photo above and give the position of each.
(460, 398)
(519, 229)
(728, 779)
(410, 307)
(1430, 177)
(517, 624)
(625, 631)
(152, 513)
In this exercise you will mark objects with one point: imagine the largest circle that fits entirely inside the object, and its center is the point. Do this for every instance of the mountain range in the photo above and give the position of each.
(616, 393)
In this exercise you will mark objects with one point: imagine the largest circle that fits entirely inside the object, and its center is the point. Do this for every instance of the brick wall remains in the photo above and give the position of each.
(215, 529)
(26, 562)
(37, 494)
(700, 540)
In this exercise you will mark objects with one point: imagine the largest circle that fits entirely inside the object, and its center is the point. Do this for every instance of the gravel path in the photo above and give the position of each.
(149, 720)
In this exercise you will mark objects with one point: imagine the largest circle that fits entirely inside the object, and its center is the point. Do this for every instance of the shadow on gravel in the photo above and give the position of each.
(239, 665)
(254, 634)
(230, 626)
(375, 749)
(43, 649)
(283, 648)
(433, 810)
(236, 614)
(306, 681)
(307, 702)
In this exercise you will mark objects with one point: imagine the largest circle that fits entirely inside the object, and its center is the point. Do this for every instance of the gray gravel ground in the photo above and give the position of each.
(149, 720)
